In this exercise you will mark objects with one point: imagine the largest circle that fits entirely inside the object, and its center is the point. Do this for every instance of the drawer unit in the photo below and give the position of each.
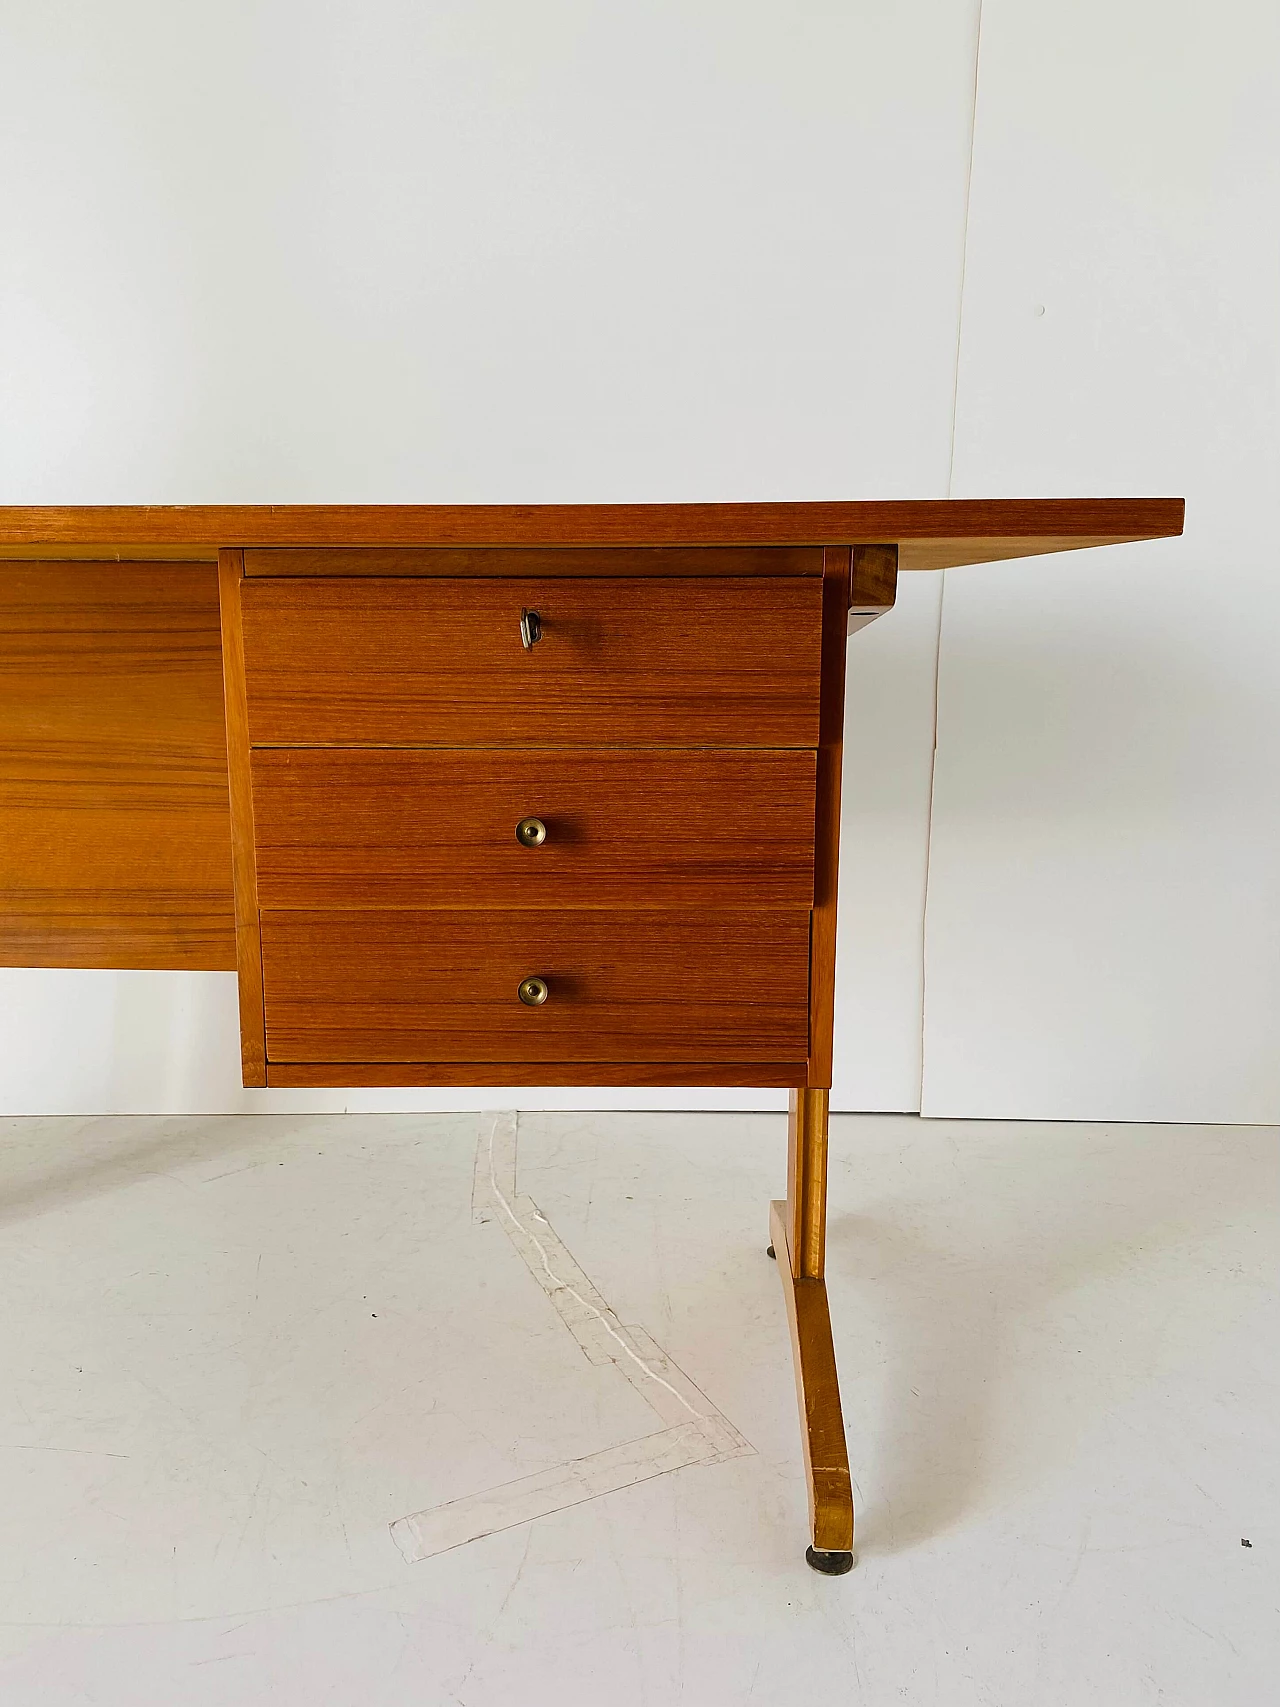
(447, 782)
(732, 661)
(646, 986)
(533, 827)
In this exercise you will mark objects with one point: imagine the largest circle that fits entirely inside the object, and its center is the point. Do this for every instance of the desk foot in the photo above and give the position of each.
(826, 1455)
(770, 1252)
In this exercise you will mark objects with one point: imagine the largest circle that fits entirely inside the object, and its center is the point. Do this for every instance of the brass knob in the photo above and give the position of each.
(533, 992)
(531, 832)
(530, 629)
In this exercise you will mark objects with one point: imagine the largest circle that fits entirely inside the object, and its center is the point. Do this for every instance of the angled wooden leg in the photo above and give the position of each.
(798, 1230)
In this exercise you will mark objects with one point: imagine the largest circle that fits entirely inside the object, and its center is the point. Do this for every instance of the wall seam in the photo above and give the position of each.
(942, 587)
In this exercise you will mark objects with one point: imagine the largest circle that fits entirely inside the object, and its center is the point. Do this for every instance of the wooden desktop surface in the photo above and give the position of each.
(929, 533)
(116, 847)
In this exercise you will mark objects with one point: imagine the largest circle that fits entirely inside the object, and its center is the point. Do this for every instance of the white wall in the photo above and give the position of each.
(497, 252)
(1104, 888)
(487, 252)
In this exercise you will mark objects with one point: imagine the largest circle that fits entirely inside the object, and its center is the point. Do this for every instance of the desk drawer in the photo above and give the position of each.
(698, 661)
(373, 827)
(622, 986)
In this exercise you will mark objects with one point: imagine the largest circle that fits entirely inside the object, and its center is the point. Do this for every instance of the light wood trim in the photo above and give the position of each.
(798, 1229)
(807, 1183)
(253, 1048)
(750, 1075)
(826, 1454)
(822, 941)
(959, 530)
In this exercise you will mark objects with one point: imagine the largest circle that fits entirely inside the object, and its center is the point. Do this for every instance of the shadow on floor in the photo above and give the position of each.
(86, 1158)
(1065, 1272)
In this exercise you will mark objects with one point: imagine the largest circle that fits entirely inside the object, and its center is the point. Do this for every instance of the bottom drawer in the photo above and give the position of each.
(444, 986)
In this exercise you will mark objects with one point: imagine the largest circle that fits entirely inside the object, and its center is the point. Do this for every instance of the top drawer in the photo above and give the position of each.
(690, 662)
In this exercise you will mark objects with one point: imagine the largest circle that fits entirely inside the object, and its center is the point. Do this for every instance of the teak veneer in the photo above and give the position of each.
(440, 985)
(475, 795)
(399, 662)
(930, 533)
(624, 828)
(115, 846)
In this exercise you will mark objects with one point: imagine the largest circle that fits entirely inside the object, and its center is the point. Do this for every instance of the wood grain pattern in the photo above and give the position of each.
(503, 562)
(952, 525)
(115, 846)
(253, 1057)
(873, 584)
(826, 1454)
(404, 827)
(748, 1075)
(873, 577)
(916, 555)
(807, 1182)
(677, 662)
(822, 990)
(648, 986)
(40, 931)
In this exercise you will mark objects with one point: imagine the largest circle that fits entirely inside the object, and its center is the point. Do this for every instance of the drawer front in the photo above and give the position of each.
(372, 827)
(622, 986)
(699, 661)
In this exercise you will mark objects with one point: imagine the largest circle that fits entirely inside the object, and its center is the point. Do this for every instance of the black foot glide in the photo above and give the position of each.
(830, 1564)
(770, 1252)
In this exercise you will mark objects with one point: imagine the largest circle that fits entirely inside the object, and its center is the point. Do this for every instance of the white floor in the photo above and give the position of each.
(235, 1351)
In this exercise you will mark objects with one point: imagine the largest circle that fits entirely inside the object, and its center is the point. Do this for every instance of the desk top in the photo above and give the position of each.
(113, 791)
(929, 533)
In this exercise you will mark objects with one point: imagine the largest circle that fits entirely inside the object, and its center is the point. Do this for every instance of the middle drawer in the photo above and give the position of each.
(404, 827)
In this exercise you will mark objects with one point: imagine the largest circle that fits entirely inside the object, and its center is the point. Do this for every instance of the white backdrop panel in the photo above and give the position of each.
(1103, 930)
(486, 252)
(884, 852)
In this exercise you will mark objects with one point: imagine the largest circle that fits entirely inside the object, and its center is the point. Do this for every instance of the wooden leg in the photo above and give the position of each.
(798, 1230)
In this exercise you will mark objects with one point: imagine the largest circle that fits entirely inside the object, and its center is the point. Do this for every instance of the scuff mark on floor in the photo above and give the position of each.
(694, 1431)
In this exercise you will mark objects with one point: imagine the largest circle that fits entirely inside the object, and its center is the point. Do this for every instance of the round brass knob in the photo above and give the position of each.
(531, 832)
(533, 992)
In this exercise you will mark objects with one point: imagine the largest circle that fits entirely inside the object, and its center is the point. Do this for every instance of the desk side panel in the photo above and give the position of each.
(836, 584)
(115, 850)
(248, 929)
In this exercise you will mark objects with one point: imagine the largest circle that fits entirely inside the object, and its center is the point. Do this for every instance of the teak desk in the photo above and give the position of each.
(509, 795)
